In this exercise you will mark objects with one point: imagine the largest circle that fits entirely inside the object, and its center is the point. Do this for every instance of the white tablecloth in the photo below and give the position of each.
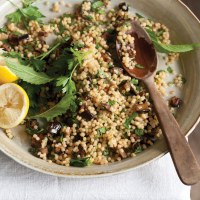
(156, 181)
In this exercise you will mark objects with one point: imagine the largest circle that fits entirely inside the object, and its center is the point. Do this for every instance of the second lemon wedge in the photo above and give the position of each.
(14, 105)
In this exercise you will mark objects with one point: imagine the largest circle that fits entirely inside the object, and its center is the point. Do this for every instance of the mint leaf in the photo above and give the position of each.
(130, 119)
(27, 73)
(169, 48)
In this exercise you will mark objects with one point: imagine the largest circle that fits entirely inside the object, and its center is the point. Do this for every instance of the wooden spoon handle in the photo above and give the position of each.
(182, 155)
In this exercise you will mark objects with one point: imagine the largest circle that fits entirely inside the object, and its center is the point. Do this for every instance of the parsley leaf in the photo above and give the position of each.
(129, 120)
(97, 4)
(169, 48)
(25, 14)
(27, 73)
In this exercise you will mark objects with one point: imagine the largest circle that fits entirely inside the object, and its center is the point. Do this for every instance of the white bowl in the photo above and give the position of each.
(185, 28)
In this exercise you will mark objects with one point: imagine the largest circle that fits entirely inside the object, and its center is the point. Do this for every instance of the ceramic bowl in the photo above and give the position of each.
(185, 28)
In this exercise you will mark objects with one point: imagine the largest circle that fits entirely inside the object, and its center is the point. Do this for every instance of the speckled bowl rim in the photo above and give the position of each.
(69, 175)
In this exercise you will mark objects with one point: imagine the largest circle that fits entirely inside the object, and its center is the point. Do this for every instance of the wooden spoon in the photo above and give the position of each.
(183, 158)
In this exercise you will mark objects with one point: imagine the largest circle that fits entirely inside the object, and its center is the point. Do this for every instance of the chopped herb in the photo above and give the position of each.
(111, 102)
(130, 119)
(78, 45)
(100, 74)
(80, 162)
(139, 66)
(3, 30)
(97, 5)
(89, 17)
(134, 81)
(106, 152)
(101, 131)
(98, 46)
(170, 70)
(33, 151)
(138, 150)
(139, 132)
(31, 131)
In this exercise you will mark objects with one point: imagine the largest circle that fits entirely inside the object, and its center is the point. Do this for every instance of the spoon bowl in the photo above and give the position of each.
(182, 156)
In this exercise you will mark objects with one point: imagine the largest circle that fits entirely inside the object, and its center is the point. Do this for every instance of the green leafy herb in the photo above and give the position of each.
(25, 14)
(101, 131)
(33, 151)
(32, 91)
(139, 66)
(80, 162)
(170, 84)
(100, 74)
(106, 152)
(3, 30)
(169, 48)
(134, 81)
(78, 45)
(111, 102)
(89, 17)
(32, 131)
(66, 103)
(27, 73)
(138, 150)
(129, 120)
(96, 5)
(139, 132)
(170, 70)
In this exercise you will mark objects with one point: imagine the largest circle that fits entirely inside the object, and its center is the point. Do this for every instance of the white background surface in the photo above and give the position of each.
(156, 181)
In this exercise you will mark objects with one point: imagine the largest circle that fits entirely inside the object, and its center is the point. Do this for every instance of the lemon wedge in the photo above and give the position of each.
(6, 74)
(14, 105)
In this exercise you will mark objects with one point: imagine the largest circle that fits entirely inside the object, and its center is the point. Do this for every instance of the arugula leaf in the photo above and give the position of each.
(66, 103)
(169, 48)
(139, 132)
(26, 73)
(130, 119)
(80, 162)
